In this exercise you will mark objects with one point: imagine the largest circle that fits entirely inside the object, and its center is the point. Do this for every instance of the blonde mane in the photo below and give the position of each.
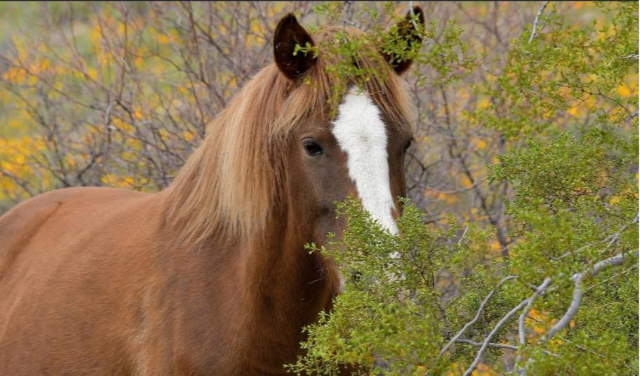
(231, 184)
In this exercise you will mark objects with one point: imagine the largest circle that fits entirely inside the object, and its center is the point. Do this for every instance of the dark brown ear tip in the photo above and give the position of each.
(417, 10)
(412, 32)
(288, 34)
(289, 19)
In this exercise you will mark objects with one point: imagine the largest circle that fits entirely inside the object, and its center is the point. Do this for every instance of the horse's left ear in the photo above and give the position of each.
(410, 29)
(293, 63)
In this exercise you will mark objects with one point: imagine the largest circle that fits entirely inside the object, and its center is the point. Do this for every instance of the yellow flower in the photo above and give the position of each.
(188, 136)
(573, 111)
(623, 90)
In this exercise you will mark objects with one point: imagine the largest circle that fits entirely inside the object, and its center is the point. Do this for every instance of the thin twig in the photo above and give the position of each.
(466, 228)
(525, 311)
(539, 291)
(487, 339)
(501, 346)
(477, 315)
(535, 21)
(347, 13)
(491, 344)
(614, 238)
(611, 239)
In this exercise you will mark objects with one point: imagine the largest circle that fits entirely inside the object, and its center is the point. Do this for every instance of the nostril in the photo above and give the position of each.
(325, 211)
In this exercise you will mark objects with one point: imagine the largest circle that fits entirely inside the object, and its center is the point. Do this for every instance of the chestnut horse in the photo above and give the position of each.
(209, 276)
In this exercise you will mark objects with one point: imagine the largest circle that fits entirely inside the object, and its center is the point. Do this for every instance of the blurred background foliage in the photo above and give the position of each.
(525, 157)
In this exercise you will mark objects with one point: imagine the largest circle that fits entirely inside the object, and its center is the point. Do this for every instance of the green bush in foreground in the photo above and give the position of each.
(559, 294)
(396, 314)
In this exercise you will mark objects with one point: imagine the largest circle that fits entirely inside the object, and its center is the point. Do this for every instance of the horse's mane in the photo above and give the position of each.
(232, 182)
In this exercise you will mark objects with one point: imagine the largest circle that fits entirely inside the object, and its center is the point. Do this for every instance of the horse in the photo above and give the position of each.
(210, 276)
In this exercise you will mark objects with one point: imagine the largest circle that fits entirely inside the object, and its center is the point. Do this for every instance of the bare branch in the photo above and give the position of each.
(577, 292)
(500, 346)
(521, 332)
(487, 339)
(614, 237)
(611, 239)
(19, 182)
(539, 291)
(536, 20)
(491, 344)
(477, 315)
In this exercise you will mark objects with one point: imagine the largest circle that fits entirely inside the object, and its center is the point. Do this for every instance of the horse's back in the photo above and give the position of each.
(71, 264)
(73, 209)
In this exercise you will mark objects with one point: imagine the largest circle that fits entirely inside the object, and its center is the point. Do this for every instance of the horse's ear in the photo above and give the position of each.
(410, 30)
(291, 61)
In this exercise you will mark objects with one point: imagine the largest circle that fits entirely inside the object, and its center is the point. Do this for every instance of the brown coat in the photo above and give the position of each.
(209, 276)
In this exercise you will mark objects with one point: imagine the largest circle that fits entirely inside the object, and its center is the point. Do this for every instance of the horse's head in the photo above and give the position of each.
(356, 149)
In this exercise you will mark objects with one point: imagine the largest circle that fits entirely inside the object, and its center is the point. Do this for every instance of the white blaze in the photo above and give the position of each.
(361, 134)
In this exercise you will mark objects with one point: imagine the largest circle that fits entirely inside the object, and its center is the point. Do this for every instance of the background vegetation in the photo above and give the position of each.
(523, 173)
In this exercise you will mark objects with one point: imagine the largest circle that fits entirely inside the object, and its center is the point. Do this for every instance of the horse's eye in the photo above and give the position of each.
(408, 145)
(312, 148)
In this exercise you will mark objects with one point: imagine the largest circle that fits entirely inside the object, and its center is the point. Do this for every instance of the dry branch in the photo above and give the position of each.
(536, 20)
(477, 315)
(578, 292)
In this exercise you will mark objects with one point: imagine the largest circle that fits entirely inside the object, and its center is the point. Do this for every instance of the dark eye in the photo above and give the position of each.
(408, 144)
(312, 148)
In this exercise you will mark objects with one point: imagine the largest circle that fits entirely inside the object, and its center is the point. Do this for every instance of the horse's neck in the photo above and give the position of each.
(286, 288)
(251, 296)
(287, 282)
(269, 286)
